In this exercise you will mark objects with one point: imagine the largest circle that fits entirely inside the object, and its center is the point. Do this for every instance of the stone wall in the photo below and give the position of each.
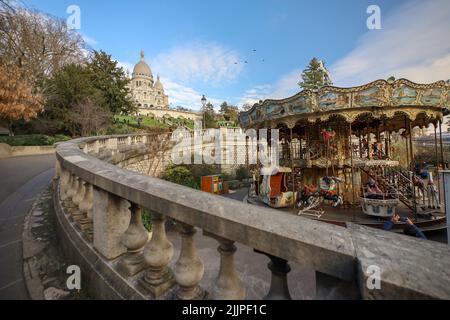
(161, 113)
(8, 151)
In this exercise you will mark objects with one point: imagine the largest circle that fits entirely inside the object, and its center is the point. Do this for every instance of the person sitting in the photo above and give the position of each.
(410, 229)
(372, 191)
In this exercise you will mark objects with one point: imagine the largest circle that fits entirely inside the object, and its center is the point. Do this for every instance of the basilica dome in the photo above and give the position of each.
(158, 84)
(142, 68)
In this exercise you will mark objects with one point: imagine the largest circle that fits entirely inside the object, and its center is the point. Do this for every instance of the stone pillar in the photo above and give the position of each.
(134, 239)
(189, 268)
(158, 252)
(129, 140)
(111, 218)
(279, 289)
(228, 285)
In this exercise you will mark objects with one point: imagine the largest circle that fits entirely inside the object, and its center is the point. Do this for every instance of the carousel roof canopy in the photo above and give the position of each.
(388, 102)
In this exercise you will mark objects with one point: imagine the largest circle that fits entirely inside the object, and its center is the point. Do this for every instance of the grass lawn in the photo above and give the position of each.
(146, 121)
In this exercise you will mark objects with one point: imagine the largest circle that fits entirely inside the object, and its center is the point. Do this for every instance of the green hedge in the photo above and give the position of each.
(33, 140)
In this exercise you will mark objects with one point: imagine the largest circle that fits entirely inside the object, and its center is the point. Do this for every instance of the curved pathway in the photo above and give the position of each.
(21, 180)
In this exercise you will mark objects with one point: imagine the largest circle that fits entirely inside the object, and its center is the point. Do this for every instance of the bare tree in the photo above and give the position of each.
(91, 118)
(37, 43)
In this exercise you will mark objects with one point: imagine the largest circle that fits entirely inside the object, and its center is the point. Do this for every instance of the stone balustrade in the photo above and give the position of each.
(102, 204)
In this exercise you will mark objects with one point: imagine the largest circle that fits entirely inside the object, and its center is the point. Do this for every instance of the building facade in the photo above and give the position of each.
(147, 93)
(150, 97)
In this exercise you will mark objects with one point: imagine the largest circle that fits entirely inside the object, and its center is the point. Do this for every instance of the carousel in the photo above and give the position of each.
(347, 154)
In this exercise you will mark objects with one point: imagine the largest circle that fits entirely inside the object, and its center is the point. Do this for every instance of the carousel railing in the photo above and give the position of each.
(410, 188)
(109, 200)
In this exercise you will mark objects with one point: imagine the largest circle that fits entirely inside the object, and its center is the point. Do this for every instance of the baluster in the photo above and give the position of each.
(134, 239)
(73, 187)
(228, 284)
(77, 199)
(96, 146)
(71, 192)
(112, 144)
(64, 184)
(85, 207)
(157, 253)
(189, 268)
(79, 192)
(279, 289)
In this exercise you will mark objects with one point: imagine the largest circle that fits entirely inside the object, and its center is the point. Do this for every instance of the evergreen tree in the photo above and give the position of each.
(209, 116)
(315, 76)
(68, 88)
(112, 81)
(229, 112)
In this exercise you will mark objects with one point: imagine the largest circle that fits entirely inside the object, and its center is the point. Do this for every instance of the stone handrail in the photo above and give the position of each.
(111, 198)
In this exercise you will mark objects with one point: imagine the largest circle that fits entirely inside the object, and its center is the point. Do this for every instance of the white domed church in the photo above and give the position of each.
(145, 92)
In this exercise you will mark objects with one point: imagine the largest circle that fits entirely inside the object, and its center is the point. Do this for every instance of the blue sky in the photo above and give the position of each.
(195, 45)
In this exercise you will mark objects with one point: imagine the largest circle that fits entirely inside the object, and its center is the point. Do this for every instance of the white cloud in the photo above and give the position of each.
(206, 62)
(254, 94)
(413, 43)
(181, 95)
(285, 87)
(127, 66)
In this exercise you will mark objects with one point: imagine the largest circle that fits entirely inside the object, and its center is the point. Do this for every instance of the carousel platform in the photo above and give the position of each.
(429, 220)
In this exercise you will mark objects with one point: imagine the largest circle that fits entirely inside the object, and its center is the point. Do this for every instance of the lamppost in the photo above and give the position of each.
(204, 110)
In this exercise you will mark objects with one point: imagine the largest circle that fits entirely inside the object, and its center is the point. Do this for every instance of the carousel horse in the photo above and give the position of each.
(327, 191)
(306, 195)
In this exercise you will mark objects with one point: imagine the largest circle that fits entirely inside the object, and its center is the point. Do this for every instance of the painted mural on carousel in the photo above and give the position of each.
(400, 93)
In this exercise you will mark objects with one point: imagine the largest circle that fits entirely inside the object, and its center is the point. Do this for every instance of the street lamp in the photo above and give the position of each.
(204, 110)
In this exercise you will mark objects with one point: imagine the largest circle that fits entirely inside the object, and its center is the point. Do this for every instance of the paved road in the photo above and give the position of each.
(21, 180)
